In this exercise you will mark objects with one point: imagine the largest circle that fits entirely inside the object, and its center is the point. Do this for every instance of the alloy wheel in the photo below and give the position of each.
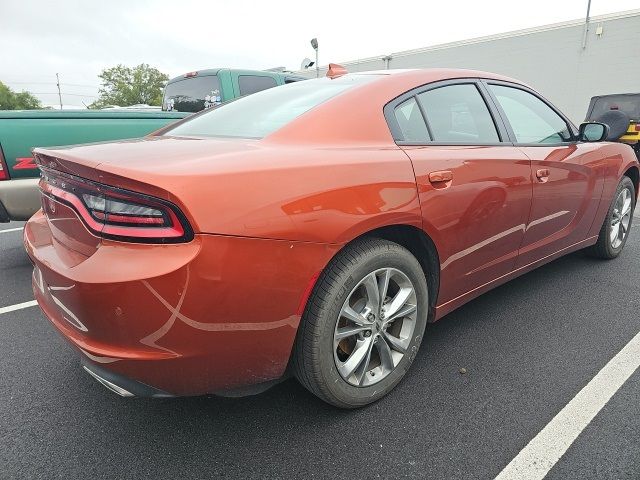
(375, 327)
(621, 218)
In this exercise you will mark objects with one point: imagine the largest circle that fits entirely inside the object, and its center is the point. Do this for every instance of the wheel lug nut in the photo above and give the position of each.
(367, 333)
(371, 317)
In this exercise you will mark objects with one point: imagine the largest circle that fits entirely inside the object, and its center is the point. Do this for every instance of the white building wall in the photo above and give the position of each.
(549, 58)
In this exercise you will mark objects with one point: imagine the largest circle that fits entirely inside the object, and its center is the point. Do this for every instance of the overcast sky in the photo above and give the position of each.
(78, 38)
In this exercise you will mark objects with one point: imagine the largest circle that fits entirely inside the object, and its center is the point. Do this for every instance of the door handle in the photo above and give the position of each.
(441, 176)
(543, 174)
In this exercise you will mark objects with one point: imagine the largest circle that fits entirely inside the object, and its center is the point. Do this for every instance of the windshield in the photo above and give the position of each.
(192, 94)
(629, 104)
(262, 113)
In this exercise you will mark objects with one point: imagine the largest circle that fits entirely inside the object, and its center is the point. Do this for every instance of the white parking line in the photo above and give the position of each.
(11, 230)
(536, 459)
(18, 306)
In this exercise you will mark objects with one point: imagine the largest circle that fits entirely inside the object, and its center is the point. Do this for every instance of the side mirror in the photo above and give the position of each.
(593, 132)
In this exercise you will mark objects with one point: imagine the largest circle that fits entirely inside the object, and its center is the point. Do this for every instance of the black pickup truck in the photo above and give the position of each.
(621, 112)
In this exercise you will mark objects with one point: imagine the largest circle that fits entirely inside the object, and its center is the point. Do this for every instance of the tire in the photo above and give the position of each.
(606, 247)
(322, 359)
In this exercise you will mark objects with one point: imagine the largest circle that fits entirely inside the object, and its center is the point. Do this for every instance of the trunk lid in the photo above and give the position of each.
(151, 160)
(162, 167)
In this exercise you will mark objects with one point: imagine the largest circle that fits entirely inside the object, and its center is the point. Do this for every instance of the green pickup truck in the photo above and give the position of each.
(21, 131)
(196, 91)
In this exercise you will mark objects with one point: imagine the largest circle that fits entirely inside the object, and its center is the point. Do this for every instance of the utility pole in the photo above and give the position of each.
(59, 94)
(586, 26)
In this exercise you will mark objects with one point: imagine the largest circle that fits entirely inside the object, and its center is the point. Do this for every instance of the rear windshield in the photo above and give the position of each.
(262, 113)
(192, 94)
(629, 104)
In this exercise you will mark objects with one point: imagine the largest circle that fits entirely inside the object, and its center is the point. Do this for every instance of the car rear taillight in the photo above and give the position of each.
(4, 170)
(117, 213)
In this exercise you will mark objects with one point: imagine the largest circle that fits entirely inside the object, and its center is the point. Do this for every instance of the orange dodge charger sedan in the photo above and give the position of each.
(314, 229)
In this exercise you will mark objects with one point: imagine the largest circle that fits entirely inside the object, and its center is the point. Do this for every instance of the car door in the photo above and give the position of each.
(567, 175)
(474, 188)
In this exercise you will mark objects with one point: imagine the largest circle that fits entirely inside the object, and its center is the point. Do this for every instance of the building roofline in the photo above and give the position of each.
(497, 36)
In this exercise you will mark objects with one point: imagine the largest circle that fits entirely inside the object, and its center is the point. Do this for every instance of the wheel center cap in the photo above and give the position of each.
(378, 326)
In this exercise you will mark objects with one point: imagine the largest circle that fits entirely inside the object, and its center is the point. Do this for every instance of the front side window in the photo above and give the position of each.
(458, 114)
(262, 113)
(253, 83)
(532, 120)
(410, 121)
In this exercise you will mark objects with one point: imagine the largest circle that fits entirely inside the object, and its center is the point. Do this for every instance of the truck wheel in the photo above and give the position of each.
(363, 324)
(617, 224)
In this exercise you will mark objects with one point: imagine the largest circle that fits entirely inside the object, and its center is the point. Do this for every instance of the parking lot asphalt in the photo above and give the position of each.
(528, 348)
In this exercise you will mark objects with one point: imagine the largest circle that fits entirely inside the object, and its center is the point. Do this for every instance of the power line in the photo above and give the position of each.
(79, 85)
(31, 83)
(54, 83)
(64, 94)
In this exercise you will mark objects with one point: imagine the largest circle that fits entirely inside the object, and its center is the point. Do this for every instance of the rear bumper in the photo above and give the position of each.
(212, 315)
(123, 386)
(19, 199)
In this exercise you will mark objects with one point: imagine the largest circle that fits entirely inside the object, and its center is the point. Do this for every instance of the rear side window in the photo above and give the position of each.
(411, 122)
(253, 83)
(532, 120)
(192, 94)
(458, 114)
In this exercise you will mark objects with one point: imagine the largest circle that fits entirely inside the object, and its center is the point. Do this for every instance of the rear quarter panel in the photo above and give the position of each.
(321, 194)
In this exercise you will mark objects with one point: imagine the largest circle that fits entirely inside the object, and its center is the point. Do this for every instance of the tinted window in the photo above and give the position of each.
(411, 122)
(629, 104)
(457, 113)
(532, 120)
(192, 94)
(264, 112)
(252, 83)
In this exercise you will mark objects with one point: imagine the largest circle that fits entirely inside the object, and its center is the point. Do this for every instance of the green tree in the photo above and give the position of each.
(10, 100)
(125, 86)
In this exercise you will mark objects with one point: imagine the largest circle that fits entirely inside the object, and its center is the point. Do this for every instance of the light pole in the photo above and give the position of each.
(586, 26)
(314, 44)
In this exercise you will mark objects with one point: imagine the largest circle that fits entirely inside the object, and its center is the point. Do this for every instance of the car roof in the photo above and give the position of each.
(608, 95)
(436, 74)
(242, 71)
(355, 116)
